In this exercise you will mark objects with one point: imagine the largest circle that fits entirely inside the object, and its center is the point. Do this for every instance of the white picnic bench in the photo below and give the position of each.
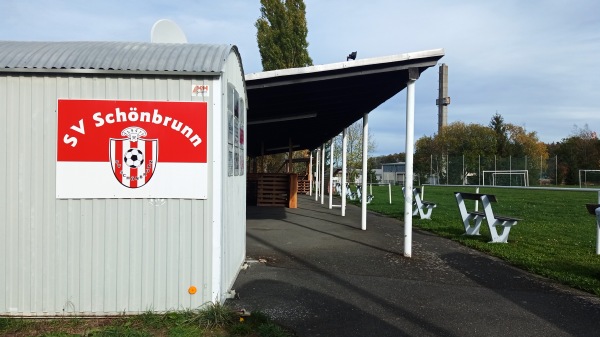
(472, 219)
(421, 207)
(359, 194)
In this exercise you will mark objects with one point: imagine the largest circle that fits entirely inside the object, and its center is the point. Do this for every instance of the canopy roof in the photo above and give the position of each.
(305, 107)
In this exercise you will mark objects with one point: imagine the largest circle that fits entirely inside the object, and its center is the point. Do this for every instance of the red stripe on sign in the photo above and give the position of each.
(149, 160)
(118, 161)
(85, 126)
(133, 173)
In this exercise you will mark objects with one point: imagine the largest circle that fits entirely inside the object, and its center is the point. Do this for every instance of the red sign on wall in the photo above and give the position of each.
(131, 149)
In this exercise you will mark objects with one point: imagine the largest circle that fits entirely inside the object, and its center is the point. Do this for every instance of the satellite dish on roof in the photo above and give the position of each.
(167, 31)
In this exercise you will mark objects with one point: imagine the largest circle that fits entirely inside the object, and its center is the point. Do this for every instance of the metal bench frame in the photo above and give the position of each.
(421, 207)
(594, 209)
(472, 219)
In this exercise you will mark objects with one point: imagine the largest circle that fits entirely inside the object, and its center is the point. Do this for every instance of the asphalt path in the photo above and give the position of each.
(319, 274)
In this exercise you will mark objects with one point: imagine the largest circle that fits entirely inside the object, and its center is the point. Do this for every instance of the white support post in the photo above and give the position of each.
(344, 159)
(408, 184)
(323, 174)
(317, 175)
(310, 176)
(331, 174)
(477, 201)
(390, 192)
(365, 152)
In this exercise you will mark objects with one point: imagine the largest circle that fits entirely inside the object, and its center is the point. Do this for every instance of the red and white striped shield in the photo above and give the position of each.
(133, 159)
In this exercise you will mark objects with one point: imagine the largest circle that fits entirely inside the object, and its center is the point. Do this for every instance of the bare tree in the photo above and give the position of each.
(354, 149)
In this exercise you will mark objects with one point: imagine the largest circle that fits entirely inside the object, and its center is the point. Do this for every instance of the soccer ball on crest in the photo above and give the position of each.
(134, 158)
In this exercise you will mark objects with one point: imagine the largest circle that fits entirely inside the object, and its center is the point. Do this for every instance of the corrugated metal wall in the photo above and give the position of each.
(234, 187)
(100, 256)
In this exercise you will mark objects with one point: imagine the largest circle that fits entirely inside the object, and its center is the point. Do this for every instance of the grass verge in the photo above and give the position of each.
(213, 320)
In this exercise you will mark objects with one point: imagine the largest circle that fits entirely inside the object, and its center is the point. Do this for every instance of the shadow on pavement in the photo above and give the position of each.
(553, 303)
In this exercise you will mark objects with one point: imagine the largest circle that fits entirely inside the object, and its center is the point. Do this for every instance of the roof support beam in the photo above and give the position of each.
(282, 119)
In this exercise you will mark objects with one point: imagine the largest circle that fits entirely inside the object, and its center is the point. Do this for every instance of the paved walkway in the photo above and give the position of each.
(320, 275)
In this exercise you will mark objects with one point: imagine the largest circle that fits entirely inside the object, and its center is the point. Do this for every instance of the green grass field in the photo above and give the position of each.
(556, 239)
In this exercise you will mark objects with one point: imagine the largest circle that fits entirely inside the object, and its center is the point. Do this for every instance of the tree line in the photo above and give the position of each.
(580, 150)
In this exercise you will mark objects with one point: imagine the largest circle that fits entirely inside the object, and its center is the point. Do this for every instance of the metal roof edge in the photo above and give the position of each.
(348, 64)
(108, 72)
(108, 57)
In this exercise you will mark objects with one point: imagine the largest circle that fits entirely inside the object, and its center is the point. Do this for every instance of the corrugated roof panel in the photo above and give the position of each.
(114, 56)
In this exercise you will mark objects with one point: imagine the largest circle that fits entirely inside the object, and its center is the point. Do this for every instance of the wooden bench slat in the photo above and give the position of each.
(498, 217)
(476, 196)
(506, 218)
(477, 213)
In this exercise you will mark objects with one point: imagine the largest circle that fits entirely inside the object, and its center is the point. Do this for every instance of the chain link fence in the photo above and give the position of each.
(492, 171)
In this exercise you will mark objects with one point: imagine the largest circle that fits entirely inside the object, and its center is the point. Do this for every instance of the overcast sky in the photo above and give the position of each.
(534, 62)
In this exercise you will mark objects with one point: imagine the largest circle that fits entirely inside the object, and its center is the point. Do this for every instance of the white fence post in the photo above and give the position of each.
(598, 227)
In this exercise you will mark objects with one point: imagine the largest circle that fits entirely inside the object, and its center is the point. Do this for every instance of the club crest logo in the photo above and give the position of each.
(133, 159)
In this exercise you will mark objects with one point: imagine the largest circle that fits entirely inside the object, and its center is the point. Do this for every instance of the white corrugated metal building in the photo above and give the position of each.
(99, 255)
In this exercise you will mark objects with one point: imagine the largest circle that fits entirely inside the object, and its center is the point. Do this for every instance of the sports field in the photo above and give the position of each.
(556, 239)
